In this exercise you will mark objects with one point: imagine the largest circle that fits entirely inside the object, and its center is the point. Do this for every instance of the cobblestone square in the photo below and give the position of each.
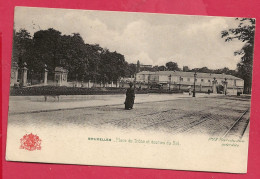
(209, 115)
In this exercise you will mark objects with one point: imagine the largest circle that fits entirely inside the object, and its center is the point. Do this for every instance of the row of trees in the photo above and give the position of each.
(84, 61)
(92, 62)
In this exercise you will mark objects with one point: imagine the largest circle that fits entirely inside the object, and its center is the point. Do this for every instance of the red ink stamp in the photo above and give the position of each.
(30, 142)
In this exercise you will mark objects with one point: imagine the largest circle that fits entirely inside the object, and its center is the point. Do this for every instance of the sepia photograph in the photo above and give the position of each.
(130, 89)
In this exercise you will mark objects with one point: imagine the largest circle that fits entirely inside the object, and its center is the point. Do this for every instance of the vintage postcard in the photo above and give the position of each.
(129, 89)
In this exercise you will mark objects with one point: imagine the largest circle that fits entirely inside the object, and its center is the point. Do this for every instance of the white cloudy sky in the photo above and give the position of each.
(153, 39)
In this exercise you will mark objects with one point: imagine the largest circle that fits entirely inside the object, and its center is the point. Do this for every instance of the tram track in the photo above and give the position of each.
(186, 127)
(230, 130)
(193, 123)
(206, 118)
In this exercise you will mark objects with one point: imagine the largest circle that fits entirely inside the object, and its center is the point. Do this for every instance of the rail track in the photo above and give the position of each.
(177, 129)
(231, 131)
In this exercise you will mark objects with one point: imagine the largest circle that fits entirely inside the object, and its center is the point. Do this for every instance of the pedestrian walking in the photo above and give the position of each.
(189, 88)
(130, 97)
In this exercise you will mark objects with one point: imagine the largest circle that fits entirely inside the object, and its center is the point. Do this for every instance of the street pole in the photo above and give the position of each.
(180, 84)
(225, 86)
(76, 80)
(31, 76)
(170, 82)
(195, 74)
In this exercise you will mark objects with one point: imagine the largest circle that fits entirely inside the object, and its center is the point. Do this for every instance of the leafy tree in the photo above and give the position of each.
(112, 66)
(162, 68)
(172, 66)
(22, 43)
(131, 70)
(47, 49)
(245, 32)
(76, 56)
(84, 61)
(94, 59)
(203, 70)
(155, 68)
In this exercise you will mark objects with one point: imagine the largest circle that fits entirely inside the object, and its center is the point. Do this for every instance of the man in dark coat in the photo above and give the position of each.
(130, 97)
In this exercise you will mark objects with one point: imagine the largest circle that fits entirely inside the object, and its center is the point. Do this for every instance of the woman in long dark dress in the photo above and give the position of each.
(130, 97)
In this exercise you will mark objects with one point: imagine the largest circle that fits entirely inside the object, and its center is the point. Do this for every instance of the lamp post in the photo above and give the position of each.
(195, 74)
(180, 84)
(170, 76)
(225, 86)
(31, 76)
(76, 80)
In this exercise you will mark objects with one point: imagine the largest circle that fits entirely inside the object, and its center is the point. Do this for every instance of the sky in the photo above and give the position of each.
(153, 39)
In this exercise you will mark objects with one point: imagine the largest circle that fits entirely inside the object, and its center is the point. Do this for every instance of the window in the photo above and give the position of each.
(202, 80)
(209, 81)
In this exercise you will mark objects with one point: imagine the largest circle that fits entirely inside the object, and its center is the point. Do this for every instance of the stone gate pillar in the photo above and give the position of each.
(45, 75)
(45, 80)
(24, 75)
(14, 74)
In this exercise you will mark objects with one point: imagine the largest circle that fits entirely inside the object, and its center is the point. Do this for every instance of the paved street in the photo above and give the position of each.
(25, 104)
(210, 115)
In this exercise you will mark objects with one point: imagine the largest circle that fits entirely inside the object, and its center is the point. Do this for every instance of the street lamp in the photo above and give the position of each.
(214, 88)
(195, 74)
(31, 76)
(170, 82)
(180, 84)
(225, 86)
(76, 80)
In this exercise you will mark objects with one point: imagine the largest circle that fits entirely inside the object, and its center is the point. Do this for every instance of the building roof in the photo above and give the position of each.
(191, 74)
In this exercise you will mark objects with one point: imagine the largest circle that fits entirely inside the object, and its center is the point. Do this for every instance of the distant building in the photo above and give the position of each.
(142, 67)
(184, 80)
(146, 66)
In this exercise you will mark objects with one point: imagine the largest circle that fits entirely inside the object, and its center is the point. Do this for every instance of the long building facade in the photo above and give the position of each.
(185, 80)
